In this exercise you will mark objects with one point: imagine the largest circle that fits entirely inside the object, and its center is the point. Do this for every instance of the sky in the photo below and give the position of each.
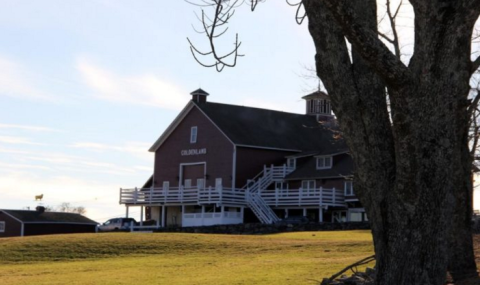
(87, 86)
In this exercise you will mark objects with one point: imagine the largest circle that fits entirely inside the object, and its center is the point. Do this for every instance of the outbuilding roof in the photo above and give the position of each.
(48, 217)
(255, 127)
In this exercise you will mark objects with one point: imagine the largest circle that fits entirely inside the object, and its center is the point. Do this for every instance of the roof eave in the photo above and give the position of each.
(11, 216)
(316, 177)
(61, 222)
(266, 147)
(331, 154)
(172, 126)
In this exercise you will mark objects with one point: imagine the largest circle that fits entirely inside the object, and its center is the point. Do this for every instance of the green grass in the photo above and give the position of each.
(176, 258)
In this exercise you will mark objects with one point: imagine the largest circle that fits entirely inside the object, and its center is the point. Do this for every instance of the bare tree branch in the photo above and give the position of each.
(385, 37)
(475, 65)
(298, 18)
(392, 19)
(223, 12)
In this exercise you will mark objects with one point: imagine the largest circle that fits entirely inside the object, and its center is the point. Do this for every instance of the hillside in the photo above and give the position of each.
(129, 258)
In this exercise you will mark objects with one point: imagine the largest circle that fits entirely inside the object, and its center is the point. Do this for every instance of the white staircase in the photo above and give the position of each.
(255, 201)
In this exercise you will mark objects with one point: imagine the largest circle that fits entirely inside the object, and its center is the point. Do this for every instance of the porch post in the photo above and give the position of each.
(304, 212)
(286, 213)
(158, 219)
(141, 216)
(203, 215)
(222, 215)
(126, 211)
(163, 216)
(242, 210)
(183, 214)
(320, 214)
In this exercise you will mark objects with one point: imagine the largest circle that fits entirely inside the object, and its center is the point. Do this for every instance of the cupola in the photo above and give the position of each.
(318, 104)
(199, 96)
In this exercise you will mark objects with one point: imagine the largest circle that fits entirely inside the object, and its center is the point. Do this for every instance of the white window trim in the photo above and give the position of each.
(346, 188)
(2, 227)
(308, 183)
(323, 158)
(294, 162)
(193, 134)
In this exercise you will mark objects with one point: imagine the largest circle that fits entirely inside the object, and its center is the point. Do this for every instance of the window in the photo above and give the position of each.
(291, 162)
(324, 162)
(357, 215)
(2, 227)
(319, 106)
(349, 188)
(308, 184)
(193, 135)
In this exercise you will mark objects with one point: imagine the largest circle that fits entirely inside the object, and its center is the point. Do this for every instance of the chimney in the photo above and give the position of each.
(318, 104)
(199, 96)
(40, 209)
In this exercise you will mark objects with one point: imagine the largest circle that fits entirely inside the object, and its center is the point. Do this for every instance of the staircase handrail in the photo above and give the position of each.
(254, 178)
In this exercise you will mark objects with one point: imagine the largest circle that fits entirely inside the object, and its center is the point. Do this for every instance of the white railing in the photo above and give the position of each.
(182, 195)
(255, 201)
(280, 197)
(304, 197)
(209, 218)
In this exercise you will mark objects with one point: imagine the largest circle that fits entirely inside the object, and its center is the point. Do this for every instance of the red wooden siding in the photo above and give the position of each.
(325, 183)
(218, 157)
(250, 162)
(13, 228)
(57, 228)
(193, 172)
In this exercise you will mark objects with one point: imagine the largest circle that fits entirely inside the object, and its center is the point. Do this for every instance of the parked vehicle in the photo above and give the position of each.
(293, 220)
(117, 224)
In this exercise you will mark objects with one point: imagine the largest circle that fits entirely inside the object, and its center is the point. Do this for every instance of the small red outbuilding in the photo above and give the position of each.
(27, 223)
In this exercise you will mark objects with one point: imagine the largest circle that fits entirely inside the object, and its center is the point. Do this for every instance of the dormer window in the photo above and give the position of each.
(349, 188)
(193, 135)
(324, 162)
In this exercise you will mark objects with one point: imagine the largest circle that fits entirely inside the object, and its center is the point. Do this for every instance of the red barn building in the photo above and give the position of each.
(226, 164)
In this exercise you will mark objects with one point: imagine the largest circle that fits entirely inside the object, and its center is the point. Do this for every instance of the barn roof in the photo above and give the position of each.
(255, 127)
(48, 217)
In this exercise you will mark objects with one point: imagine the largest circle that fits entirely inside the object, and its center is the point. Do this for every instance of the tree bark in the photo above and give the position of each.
(462, 266)
(410, 172)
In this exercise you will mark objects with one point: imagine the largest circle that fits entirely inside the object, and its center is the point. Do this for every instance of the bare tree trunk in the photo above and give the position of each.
(413, 171)
(408, 170)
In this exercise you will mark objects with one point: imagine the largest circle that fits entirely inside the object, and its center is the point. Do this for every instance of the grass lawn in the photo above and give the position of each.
(177, 258)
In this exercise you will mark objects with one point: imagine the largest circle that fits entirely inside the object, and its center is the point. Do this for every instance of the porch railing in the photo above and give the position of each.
(182, 195)
(304, 197)
(222, 195)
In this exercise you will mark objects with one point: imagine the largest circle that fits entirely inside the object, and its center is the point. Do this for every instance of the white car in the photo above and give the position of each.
(116, 224)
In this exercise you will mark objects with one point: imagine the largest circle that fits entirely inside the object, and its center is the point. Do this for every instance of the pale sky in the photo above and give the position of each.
(87, 86)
